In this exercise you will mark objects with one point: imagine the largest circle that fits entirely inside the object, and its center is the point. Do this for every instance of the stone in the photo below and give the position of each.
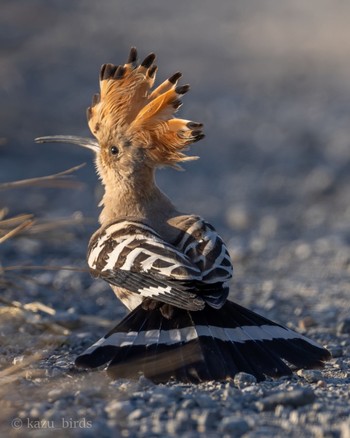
(294, 398)
(207, 419)
(188, 403)
(306, 323)
(136, 415)
(242, 380)
(204, 401)
(238, 218)
(54, 394)
(335, 350)
(119, 409)
(234, 426)
(344, 327)
(311, 376)
(345, 429)
(181, 423)
(17, 360)
(229, 392)
(145, 383)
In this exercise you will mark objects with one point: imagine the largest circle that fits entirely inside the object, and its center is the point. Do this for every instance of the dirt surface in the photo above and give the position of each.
(270, 81)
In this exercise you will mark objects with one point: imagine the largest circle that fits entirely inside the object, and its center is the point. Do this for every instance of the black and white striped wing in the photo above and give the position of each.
(201, 243)
(133, 256)
(196, 268)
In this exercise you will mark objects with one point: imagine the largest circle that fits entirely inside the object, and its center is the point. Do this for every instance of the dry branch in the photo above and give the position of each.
(56, 180)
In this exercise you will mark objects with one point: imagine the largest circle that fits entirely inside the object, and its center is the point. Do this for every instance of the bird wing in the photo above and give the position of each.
(131, 255)
(200, 242)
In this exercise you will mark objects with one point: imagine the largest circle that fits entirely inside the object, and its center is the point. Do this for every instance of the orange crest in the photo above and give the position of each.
(127, 109)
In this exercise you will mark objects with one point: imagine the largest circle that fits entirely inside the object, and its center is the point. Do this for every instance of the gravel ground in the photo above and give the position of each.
(270, 80)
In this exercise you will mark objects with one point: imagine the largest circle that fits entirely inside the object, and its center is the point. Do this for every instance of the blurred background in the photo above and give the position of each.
(271, 83)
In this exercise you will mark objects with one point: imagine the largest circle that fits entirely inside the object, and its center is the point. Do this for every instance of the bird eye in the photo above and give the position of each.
(114, 150)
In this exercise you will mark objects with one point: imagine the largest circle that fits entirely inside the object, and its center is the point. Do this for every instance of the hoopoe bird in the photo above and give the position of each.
(170, 269)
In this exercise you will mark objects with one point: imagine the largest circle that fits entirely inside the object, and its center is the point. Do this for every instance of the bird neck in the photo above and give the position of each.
(134, 197)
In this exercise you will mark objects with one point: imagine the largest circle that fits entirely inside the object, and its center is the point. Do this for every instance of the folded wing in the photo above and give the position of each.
(131, 255)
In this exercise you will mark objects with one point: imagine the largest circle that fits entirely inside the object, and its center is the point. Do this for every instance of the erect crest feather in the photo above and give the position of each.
(127, 108)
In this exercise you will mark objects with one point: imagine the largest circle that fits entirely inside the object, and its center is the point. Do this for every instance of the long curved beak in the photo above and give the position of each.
(85, 142)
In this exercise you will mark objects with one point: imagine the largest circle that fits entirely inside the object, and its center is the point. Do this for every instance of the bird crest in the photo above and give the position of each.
(128, 109)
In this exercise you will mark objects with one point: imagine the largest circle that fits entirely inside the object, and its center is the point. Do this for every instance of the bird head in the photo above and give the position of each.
(134, 124)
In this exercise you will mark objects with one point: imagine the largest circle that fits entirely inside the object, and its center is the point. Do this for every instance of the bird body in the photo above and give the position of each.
(171, 270)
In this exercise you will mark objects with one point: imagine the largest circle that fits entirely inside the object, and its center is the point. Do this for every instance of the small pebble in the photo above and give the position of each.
(229, 392)
(306, 323)
(238, 218)
(294, 398)
(188, 403)
(344, 327)
(335, 350)
(207, 420)
(54, 394)
(181, 423)
(135, 415)
(241, 380)
(311, 376)
(345, 429)
(257, 245)
(268, 226)
(68, 320)
(204, 401)
(119, 409)
(145, 383)
(37, 410)
(234, 426)
(159, 399)
(282, 411)
(17, 360)
(303, 251)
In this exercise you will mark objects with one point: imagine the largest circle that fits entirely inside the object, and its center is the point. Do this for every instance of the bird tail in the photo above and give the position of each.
(195, 346)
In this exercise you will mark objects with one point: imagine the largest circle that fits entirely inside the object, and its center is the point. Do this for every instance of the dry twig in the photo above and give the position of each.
(56, 180)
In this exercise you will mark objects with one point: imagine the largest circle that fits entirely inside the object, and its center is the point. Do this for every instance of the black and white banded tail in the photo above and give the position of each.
(199, 346)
